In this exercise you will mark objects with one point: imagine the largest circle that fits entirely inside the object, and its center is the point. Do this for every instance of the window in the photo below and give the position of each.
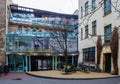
(107, 7)
(20, 28)
(89, 54)
(107, 33)
(94, 28)
(34, 30)
(86, 31)
(39, 31)
(81, 34)
(81, 12)
(93, 4)
(26, 30)
(86, 8)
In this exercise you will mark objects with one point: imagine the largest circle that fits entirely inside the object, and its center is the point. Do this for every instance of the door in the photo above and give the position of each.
(20, 62)
(16, 63)
(108, 62)
(41, 63)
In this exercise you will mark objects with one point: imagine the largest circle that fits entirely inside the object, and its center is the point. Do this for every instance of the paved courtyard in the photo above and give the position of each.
(73, 75)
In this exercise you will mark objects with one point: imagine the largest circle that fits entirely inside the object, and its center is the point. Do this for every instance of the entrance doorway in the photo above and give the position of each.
(108, 62)
(16, 63)
(41, 63)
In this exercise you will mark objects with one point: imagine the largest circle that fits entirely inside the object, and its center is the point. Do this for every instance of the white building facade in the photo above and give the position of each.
(97, 17)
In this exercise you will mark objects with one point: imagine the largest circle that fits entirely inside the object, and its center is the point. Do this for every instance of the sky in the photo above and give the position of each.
(59, 6)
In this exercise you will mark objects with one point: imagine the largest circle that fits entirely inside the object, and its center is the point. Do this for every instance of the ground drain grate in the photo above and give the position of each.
(17, 79)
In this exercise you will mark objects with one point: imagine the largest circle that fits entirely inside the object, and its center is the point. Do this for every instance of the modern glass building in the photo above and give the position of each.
(35, 39)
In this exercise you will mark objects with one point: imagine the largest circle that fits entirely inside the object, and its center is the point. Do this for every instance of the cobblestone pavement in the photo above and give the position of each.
(13, 78)
(35, 80)
(14, 75)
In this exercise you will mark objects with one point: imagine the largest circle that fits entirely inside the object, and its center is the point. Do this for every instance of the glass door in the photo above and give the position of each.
(16, 63)
(11, 63)
(19, 63)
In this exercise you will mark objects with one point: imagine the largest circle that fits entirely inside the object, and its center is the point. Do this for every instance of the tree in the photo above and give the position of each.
(63, 39)
(114, 49)
(99, 49)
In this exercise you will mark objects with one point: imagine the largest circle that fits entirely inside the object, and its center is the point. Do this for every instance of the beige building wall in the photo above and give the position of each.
(112, 18)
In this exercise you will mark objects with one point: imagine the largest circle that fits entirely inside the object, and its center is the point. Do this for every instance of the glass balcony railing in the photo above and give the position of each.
(30, 33)
(22, 43)
(40, 34)
(43, 22)
(24, 49)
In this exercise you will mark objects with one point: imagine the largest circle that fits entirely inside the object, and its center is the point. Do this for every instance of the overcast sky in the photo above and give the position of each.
(60, 6)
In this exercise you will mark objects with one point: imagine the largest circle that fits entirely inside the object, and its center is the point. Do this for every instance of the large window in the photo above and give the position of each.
(107, 7)
(86, 31)
(94, 28)
(89, 54)
(86, 8)
(93, 4)
(107, 33)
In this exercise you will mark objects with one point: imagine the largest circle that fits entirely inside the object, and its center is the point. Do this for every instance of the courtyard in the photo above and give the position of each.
(73, 75)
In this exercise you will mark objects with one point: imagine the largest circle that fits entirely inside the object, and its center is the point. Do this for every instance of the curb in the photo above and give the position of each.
(71, 78)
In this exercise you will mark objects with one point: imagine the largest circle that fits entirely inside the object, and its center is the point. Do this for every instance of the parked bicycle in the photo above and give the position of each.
(6, 69)
(1, 70)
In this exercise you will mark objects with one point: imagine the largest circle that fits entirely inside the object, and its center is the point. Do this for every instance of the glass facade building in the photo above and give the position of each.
(35, 39)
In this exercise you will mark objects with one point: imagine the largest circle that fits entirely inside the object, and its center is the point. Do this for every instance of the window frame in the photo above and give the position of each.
(89, 54)
(81, 11)
(94, 28)
(86, 31)
(107, 36)
(93, 4)
(86, 8)
(81, 33)
(106, 5)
